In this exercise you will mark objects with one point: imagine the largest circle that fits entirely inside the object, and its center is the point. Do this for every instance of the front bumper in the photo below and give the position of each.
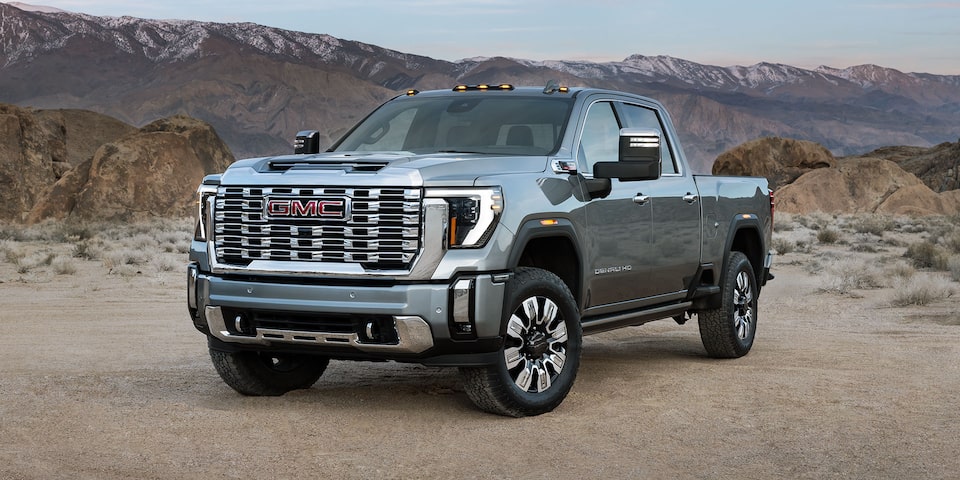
(373, 320)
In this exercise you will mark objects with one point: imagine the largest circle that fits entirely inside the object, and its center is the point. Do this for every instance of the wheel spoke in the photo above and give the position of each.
(525, 377)
(543, 378)
(516, 328)
(532, 309)
(549, 313)
(558, 332)
(555, 359)
(513, 356)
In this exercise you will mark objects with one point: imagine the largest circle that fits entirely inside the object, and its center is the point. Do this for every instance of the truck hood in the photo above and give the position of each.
(377, 168)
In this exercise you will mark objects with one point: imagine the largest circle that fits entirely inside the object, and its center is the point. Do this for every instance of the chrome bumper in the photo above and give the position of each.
(413, 332)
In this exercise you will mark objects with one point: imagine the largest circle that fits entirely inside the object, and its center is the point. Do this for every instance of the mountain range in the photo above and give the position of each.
(259, 85)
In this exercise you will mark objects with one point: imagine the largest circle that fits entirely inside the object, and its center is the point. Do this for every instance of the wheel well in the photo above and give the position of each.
(747, 240)
(557, 255)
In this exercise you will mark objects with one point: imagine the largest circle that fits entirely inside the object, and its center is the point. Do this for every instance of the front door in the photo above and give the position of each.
(618, 225)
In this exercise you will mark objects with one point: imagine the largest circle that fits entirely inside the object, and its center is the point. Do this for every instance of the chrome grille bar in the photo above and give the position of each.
(380, 227)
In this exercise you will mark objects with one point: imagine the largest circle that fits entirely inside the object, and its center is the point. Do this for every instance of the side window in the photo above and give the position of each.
(642, 117)
(601, 136)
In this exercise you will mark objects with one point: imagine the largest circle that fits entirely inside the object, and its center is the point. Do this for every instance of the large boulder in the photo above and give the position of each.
(864, 185)
(938, 166)
(37, 148)
(780, 160)
(151, 172)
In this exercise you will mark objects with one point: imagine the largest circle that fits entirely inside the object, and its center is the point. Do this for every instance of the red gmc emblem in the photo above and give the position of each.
(306, 207)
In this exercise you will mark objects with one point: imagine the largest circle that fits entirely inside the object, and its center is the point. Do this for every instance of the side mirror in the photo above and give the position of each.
(307, 141)
(639, 157)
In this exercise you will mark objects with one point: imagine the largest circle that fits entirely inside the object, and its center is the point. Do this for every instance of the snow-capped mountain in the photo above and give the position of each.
(258, 85)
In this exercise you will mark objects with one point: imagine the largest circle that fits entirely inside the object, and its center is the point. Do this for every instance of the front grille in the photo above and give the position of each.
(376, 227)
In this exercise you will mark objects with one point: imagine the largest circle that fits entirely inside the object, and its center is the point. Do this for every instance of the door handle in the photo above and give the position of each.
(690, 197)
(641, 199)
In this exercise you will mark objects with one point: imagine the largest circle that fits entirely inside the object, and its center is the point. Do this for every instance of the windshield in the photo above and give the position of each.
(488, 124)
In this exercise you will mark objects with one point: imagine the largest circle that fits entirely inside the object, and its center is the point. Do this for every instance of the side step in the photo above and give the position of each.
(635, 317)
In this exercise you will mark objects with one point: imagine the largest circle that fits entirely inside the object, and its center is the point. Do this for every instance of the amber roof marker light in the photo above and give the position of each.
(483, 87)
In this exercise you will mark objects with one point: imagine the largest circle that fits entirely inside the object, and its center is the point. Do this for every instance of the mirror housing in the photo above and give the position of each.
(307, 141)
(639, 157)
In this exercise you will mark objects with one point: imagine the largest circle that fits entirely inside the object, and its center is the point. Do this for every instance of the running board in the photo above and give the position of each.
(634, 317)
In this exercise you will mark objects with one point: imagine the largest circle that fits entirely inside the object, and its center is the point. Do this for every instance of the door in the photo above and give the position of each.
(618, 225)
(675, 224)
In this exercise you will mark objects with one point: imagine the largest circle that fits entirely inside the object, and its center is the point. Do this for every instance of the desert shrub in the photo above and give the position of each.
(12, 252)
(126, 256)
(782, 246)
(64, 266)
(88, 250)
(828, 235)
(815, 220)
(874, 224)
(919, 290)
(952, 241)
(901, 270)
(864, 248)
(926, 254)
(783, 222)
(953, 265)
(848, 274)
(166, 264)
(803, 246)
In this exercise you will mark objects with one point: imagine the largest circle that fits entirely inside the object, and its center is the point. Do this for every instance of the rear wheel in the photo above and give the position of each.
(267, 373)
(541, 353)
(728, 331)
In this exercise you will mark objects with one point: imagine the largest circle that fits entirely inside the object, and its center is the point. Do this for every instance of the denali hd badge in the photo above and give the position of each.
(332, 208)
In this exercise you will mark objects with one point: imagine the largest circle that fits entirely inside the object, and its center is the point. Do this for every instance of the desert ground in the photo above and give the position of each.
(855, 373)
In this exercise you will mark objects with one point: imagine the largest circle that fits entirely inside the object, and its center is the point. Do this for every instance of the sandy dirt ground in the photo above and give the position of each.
(102, 376)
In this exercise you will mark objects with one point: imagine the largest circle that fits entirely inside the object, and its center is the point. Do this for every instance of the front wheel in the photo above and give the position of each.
(267, 373)
(541, 353)
(728, 331)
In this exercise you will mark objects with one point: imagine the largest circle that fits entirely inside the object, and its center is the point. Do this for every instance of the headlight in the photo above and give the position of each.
(472, 215)
(205, 194)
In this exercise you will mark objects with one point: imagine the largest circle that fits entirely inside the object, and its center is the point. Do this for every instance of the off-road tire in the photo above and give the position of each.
(541, 351)
(266, 373)
(728, 331)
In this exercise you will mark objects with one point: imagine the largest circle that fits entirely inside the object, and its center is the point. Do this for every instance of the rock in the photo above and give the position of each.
(39, 147)
(780, 160)
(152, 172)
(935, 166)
(864, 185)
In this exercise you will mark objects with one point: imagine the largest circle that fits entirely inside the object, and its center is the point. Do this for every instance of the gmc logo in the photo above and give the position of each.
(306, 207)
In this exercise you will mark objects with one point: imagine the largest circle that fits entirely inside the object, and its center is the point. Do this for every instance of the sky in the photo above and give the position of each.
(910, 36)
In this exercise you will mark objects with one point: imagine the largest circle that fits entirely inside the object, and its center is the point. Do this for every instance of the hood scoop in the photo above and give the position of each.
(348, 167)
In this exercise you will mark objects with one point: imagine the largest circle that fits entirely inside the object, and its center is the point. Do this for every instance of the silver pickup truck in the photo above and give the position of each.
(487, 227)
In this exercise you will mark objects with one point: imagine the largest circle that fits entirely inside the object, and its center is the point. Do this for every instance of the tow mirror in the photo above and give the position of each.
(639, 157)
(307, 141)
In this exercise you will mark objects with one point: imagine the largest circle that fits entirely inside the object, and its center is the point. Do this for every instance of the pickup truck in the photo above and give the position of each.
(487, 227)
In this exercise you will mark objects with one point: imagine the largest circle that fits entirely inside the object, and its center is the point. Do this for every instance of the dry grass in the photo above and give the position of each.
(39, 252)
(844, 275)
(953, 266)
(920, 290)
(926, 254)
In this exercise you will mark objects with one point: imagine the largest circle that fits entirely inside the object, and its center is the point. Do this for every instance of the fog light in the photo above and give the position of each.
(243, 325)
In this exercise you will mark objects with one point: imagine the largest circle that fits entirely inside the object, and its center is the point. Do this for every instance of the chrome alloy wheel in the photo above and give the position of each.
(743, 305)
(536, 344)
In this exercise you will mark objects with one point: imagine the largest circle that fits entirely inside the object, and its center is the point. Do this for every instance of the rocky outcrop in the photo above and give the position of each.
(780, 160)
(37, 148)
(938, 167)
(865, 185)
(151, 172)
